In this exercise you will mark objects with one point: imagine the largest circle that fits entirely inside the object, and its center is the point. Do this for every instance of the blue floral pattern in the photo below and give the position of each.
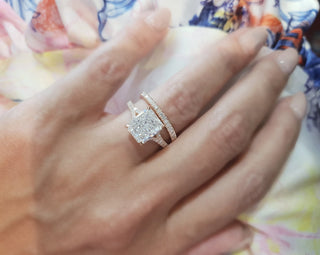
(230, 15)
(24, 8)
(112, 9)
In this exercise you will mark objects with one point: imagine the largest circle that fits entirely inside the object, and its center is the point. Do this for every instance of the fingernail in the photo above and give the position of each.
(159, 19)
(288, 60)
(143, 6)
(254, 38)
(298, 105)
(246, 242)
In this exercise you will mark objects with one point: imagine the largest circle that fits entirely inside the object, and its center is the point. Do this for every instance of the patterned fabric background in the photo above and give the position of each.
(40, 41)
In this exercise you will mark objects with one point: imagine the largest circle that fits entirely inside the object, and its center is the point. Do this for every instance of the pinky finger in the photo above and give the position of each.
(233, 238)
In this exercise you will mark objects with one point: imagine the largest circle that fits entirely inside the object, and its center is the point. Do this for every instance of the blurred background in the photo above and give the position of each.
(314, 36)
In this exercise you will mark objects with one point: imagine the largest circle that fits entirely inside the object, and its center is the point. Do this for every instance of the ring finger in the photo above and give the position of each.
(184, 96)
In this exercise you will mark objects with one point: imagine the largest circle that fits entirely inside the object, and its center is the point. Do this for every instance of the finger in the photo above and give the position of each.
(224, 131)
(96, 79)
(184, 96)
(245, 182)
(234, 238)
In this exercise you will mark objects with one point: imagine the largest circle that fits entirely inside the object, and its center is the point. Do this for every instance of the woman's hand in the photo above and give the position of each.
(73, 180)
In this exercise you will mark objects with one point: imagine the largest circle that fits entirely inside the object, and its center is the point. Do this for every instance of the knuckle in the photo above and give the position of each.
(138, 40)
(29, 126)
(119, 229)
(189, 234)
(123, 223)
(183, 104)
(246, 49)
(116, 236)
(109, 69)
(229, 51)
(232, 134)
(255, 187)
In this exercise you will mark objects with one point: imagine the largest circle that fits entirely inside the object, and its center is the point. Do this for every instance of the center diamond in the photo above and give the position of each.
(145, 126)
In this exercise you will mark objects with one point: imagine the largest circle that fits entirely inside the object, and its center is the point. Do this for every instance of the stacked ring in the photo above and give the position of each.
(146, 125)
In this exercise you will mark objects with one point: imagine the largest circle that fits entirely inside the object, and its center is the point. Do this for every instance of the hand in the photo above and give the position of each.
(73, 180)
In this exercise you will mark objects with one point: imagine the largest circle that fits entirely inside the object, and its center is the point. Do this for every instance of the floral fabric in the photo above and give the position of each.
(41, 41)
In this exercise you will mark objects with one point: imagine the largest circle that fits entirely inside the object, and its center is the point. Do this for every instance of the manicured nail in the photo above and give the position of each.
(298, 105)
(159, 19)
(254, 38)
(288, 60)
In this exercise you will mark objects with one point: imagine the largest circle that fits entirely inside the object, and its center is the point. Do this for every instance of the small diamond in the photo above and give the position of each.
(145, 126)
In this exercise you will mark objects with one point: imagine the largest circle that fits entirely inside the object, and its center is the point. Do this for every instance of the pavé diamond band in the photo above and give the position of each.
(146, 125)
(149, 100)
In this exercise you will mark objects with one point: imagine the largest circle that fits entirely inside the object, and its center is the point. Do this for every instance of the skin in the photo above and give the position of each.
(73, 180)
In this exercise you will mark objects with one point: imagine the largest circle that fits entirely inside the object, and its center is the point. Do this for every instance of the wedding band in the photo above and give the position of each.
(146, 125)
(149, 100)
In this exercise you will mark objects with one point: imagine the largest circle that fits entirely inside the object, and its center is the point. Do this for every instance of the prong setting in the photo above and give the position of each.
(146, 125)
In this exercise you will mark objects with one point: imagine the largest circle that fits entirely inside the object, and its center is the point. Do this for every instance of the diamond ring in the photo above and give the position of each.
(146, 125)
(149, 100)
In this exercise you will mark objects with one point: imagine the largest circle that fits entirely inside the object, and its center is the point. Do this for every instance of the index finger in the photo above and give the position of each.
(88, 87)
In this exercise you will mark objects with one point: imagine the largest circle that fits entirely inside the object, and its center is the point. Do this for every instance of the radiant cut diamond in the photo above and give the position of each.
(145, 126)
